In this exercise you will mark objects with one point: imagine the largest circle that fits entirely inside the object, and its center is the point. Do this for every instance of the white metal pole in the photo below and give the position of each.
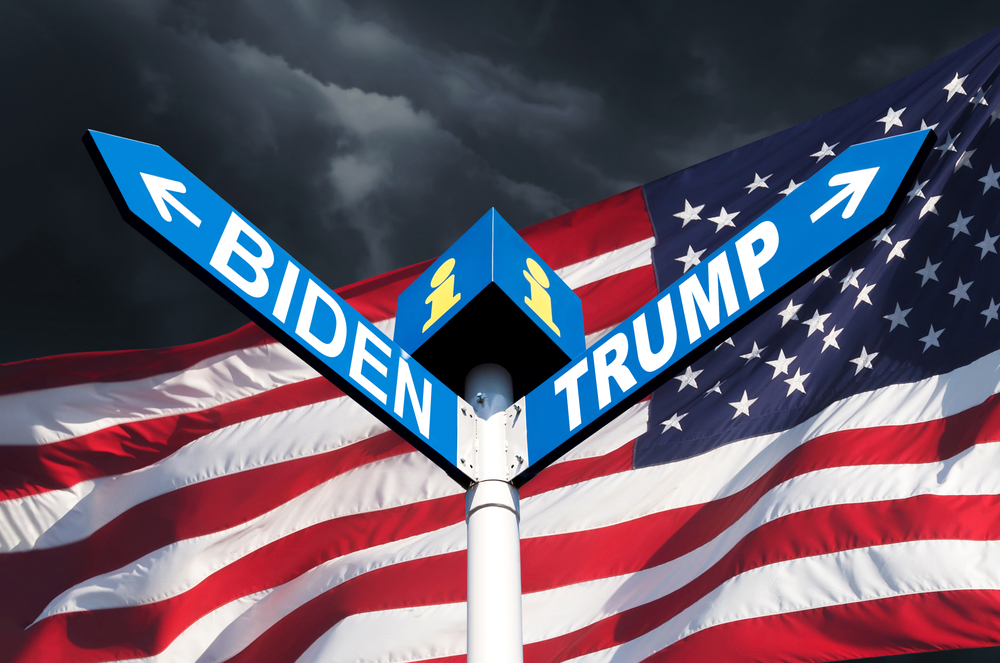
(492, 513)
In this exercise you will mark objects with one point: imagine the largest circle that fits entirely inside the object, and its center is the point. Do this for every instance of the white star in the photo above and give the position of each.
(689, 379)
(924, 125)
(987, 245)
(980, 97)
(795, 382)
(851, 279)
(863, 295)
(792, 186)
(949, 144)
(897, 250)
(955, 87)
(883, 236)
(831, 339)
(929, 206)
(691, 259)
(990, 181)
(716, 389)
(891, 119)
(743, 405)
(961, 224)
(960, 292)
(758, 182)
(780, 364)
(790, 312)
(825, 151)
(991, 313)
(753, 354)
(917, 191)
(824, 274)
(673, 422)
(689, 213)
(815, 323)
(931, 339)
(965, 160)
(929, 272)
(728, 341)
(898, 317)
(723, 220)
(864, 360)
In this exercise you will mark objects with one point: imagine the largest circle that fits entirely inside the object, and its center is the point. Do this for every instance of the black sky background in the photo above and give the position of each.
(366, 136)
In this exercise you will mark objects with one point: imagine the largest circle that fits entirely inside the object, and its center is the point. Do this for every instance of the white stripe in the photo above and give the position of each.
(608, 264)
(387, 636)
(627, 426)
(51, 415)
(59, 517)
(851, 576)
(730, 468)
(175, 568)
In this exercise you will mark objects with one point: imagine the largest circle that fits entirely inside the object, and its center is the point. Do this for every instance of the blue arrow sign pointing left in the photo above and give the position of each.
(177, 212)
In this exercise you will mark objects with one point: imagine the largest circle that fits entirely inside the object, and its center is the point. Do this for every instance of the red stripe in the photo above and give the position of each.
(29, 470)
(35, 577)
(660, 537)
(898, 625)
(122, 365)
(146, 630)
(804, 534)
(598, 228)
(609, 301)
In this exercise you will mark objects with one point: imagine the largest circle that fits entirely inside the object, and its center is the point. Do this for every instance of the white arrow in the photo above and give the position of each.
(159, 189)
(857, 182)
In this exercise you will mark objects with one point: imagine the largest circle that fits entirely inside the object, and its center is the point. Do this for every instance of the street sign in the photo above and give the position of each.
(182, 216)
(490, 299)
(822, 220)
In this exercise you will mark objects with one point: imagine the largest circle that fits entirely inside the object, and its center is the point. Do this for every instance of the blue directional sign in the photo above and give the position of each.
(185, 218)
(817, 223)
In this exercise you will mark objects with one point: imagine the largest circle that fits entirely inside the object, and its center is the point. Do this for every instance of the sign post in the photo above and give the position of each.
(491, 321)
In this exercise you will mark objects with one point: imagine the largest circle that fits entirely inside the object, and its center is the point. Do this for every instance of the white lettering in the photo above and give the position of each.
(229, 244)
(569, 382)
(404, 382)
(285, 292)
(692, 293)
(603, 371)
(652, 362)
(751, 262)
(361, 356)
(303, 327)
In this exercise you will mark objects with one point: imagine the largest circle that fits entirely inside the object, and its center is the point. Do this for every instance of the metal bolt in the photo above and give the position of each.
(463, 460)
(463, 411)
(480, 398)
(517, 408)
(519, 458)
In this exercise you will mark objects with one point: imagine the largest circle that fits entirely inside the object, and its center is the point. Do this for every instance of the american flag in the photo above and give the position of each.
(821, 486)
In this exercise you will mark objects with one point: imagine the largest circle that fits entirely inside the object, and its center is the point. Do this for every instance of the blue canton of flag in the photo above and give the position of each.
(918, 300)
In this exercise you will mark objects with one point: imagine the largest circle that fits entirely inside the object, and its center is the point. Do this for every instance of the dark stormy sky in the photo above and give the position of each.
(367, 136)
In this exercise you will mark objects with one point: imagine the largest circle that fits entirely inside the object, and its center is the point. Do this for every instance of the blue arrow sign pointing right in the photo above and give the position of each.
(814, 225)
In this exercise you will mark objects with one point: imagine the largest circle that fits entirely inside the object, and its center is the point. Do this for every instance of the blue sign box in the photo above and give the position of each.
(182, 216)
(490, 299)
(823, 219)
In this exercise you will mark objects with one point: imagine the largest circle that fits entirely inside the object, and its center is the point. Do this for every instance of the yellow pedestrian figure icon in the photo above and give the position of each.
(540, 301)
(443, 297)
